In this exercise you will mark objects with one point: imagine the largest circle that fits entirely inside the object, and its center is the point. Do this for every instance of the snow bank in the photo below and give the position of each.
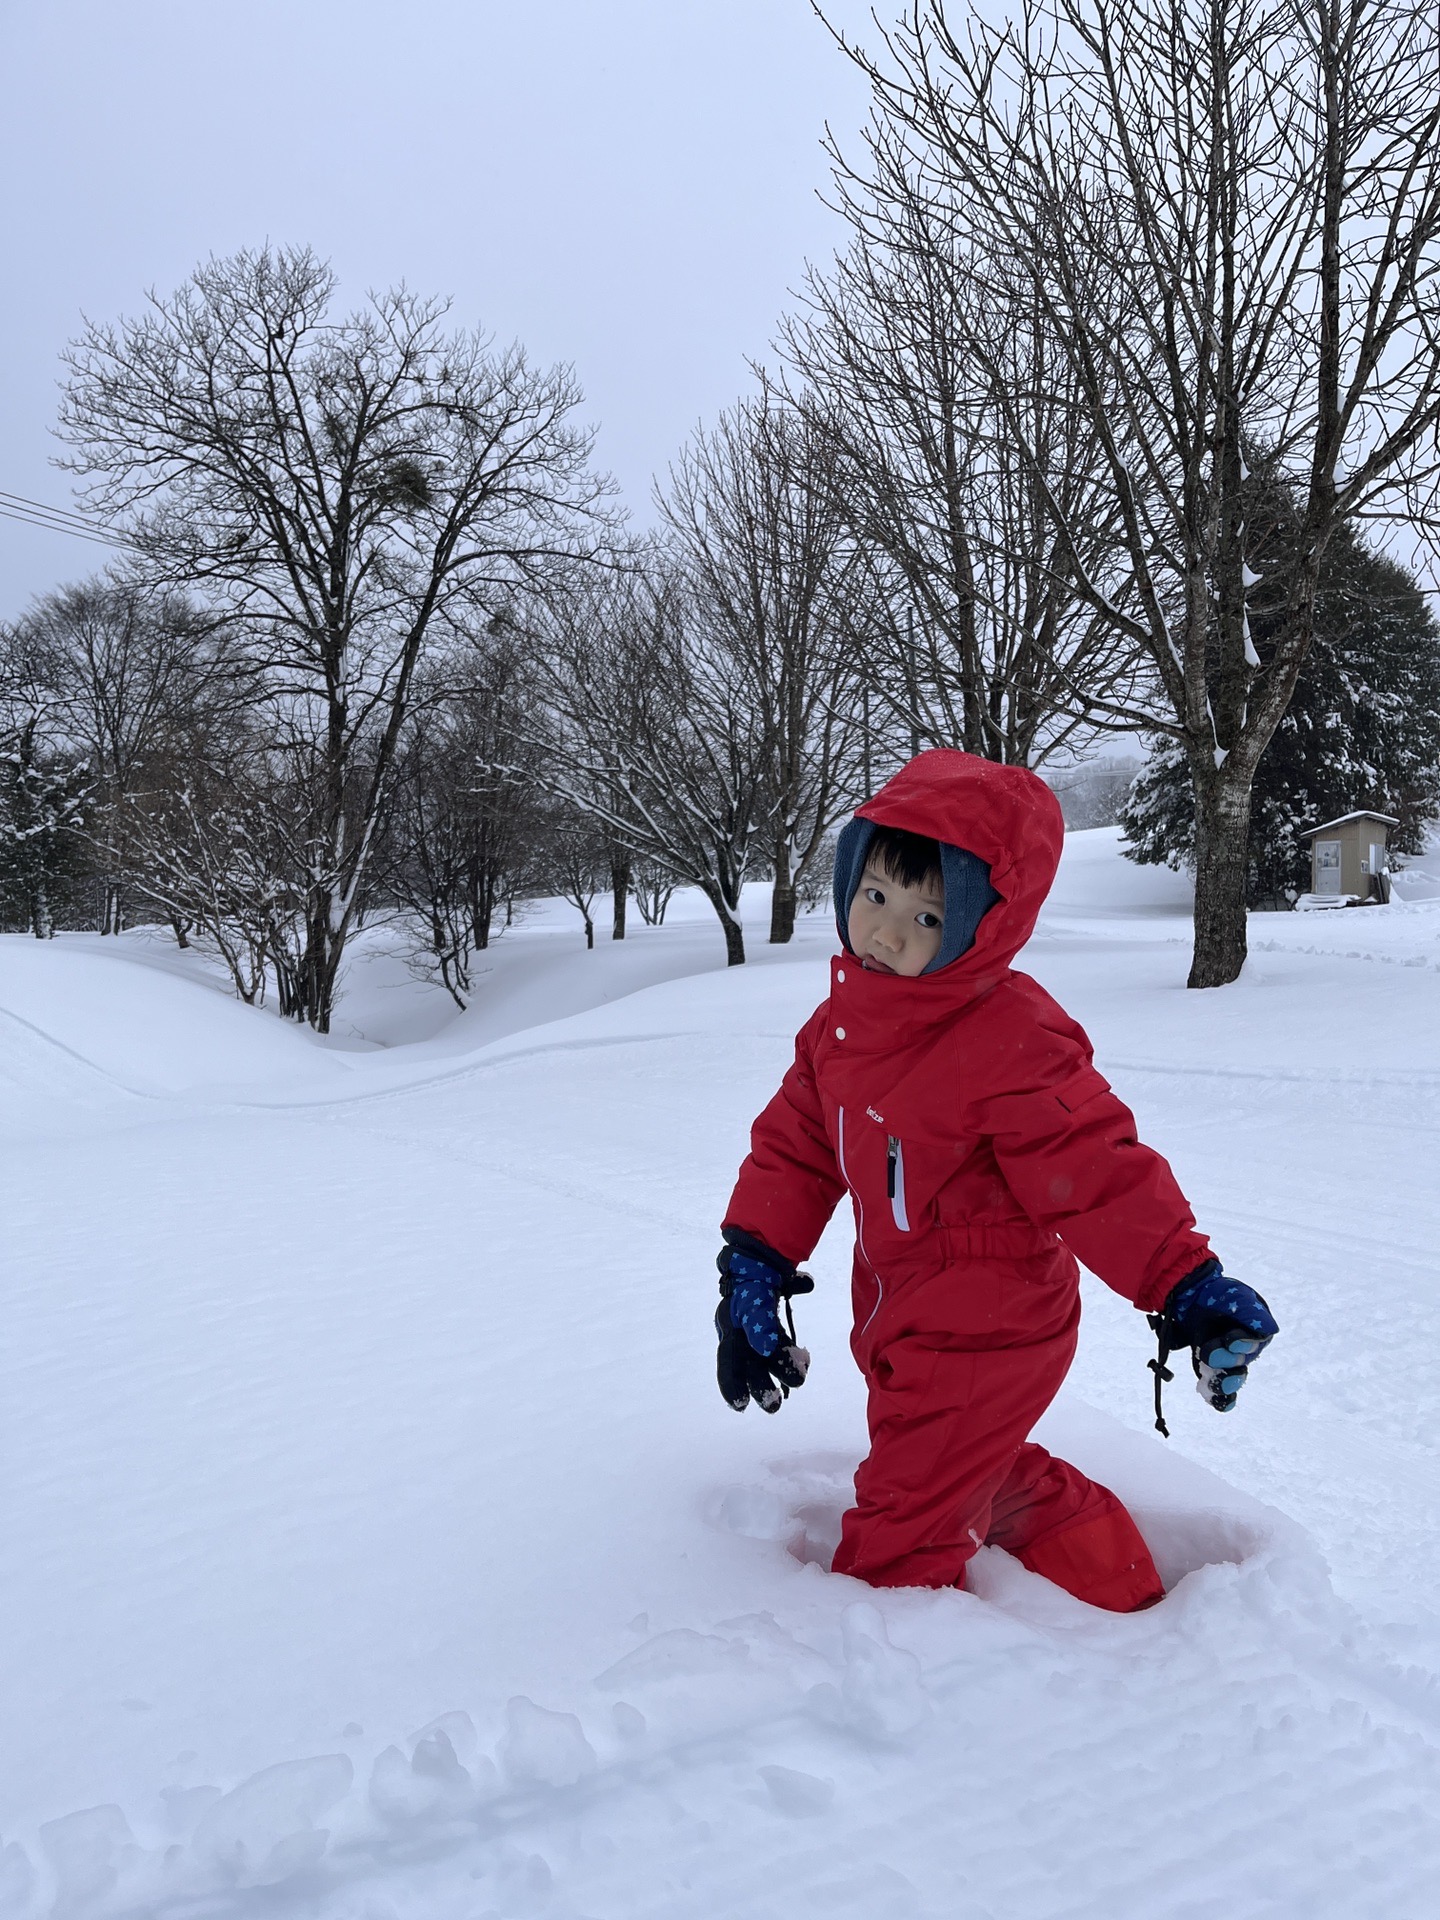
(1005, 1751)
(378, 1548)
(119, 1021)
(1095, 879)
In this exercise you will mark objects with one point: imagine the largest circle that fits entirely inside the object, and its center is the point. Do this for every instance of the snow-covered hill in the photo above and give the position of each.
(377, 1548)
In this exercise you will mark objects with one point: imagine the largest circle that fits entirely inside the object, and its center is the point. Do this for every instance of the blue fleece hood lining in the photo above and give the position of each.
(968, 892)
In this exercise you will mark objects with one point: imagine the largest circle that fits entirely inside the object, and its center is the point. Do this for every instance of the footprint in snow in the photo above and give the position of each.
(800, 1509)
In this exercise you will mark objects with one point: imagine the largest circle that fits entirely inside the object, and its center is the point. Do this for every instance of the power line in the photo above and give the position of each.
(55, 513)
(51, 526)
(33, 513)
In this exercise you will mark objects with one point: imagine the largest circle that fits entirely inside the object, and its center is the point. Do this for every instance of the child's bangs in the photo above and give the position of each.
(910, 859)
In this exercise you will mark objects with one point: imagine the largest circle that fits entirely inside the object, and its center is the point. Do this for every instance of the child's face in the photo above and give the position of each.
(895, 929)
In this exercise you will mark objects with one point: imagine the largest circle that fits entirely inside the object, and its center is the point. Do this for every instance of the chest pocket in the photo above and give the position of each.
(895, 1182)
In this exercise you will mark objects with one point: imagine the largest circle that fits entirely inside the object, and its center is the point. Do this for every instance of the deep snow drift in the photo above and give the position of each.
(376, 1546)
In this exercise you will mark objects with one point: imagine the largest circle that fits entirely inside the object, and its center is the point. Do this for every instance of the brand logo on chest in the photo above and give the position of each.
(878, 1118)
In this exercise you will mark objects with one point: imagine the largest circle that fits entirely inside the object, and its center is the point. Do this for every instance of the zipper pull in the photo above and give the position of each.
(892, 1154)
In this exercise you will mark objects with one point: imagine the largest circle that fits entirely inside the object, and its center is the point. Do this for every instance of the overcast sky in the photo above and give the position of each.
(629, 185)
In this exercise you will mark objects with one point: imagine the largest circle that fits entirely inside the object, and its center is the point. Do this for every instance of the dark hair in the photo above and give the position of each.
(910, 859)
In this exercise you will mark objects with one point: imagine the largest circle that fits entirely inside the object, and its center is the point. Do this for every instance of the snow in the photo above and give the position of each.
(1345, 819)
(378, 1548)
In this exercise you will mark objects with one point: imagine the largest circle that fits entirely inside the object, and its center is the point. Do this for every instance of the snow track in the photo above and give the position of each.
(987, 1754)
(376, 1548)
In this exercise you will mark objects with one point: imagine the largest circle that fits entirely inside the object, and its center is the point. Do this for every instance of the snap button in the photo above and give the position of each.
(839, 1033)
(840, 973)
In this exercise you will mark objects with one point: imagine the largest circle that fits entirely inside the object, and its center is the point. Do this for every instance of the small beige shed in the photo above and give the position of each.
(1347, 857)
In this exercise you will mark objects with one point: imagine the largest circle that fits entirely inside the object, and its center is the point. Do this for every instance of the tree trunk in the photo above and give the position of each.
(482, 917)
(782, 896)
(729, 925)
(734, 940)
(287, 985)
(41, 923)
(1222, 837)
(783, 903)
(318, 968)
(589, 931)
(620, 890)
(455, 975)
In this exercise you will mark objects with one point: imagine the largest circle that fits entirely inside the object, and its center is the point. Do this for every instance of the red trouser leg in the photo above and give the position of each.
(950, 1470)
(945, 1428)
(1072, 1531)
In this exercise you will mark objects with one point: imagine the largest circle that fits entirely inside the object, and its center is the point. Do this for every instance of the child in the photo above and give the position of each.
(983, 1152)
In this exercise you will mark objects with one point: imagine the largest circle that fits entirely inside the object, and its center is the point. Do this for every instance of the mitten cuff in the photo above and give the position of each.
(744, 1242)
(1155, 1296)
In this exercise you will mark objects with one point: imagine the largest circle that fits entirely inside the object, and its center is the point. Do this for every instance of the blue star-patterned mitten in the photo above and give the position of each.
(759, 1358)
(1226, 1326)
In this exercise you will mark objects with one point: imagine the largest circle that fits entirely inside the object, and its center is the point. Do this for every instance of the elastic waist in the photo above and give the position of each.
(998, 1242)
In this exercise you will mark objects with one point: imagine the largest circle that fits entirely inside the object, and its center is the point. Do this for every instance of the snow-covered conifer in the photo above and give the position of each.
(43, 796)
(1363, 728)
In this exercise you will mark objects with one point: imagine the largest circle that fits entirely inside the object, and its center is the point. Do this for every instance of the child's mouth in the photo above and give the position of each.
(875, 966)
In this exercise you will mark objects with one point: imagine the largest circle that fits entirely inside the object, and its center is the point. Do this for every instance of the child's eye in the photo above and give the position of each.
(875, 896)
(927, 920)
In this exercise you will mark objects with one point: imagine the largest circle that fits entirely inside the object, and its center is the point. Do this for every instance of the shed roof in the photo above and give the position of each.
(1363, 813)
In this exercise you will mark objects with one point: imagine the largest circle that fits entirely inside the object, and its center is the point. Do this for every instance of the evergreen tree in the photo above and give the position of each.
(42, 820)
(1363, 729)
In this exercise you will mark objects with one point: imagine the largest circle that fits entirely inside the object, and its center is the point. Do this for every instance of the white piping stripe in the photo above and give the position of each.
(859, 1215)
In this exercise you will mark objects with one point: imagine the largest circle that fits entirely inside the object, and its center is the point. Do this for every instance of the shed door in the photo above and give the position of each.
(1327, 866)
(1377, 856)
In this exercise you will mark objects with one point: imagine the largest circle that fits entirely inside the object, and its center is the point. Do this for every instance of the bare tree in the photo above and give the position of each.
(654, 729)
(575, 859)
(125, 672)
(975, 635)
(1228, 215)
(336, 485)
(754, 509)
(1093, 792)
(463, 832)
(654, 887)
(217, 842)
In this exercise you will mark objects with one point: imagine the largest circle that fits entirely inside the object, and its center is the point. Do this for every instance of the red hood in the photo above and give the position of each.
(1005, 815)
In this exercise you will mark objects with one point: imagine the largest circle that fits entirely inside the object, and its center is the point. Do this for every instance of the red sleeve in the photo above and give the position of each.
(790, 1183)
(1068, 1150)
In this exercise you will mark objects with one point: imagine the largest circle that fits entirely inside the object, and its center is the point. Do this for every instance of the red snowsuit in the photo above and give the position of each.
(983, 1152)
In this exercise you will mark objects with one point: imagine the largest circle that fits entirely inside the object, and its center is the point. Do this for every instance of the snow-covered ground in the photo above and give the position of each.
(376, 1547)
